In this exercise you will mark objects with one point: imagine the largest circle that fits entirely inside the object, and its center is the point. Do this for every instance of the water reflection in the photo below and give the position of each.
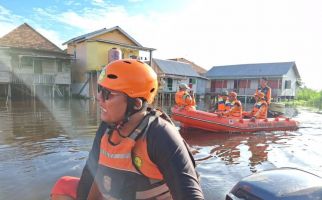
(231, 148)
(40, 141)
(43, 140)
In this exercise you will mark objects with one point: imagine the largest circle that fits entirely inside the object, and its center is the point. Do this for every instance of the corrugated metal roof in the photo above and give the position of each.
(252, 70)
(195, 67)
(171, 67)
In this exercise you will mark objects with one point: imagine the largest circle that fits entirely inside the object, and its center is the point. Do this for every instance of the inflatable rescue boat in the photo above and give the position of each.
(212, 122)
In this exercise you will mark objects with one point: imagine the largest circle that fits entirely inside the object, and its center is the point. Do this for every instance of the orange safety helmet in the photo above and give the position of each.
(130, 76)
(260, 94)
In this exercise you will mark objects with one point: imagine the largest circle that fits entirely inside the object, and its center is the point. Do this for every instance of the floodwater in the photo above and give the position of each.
(42, 141)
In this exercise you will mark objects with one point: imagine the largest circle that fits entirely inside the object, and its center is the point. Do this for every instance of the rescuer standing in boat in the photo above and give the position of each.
(265, 89)
(137, 153)
(185, 97)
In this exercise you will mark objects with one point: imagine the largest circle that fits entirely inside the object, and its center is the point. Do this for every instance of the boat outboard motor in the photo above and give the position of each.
(276, 109)
(278, 184)
(272, 114)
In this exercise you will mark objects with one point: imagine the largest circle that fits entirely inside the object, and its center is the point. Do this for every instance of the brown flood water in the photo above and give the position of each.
(39, 142)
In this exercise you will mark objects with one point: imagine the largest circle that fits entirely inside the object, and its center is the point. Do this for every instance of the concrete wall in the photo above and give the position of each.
(97, 54)
(290, 76)
(202, 86)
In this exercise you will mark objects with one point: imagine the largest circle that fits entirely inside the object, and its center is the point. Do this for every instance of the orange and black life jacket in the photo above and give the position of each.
(260, 109)
(267, 91)
(221, 105)
(130, 157)
(235, 110)
(228, 105)
(182, 99)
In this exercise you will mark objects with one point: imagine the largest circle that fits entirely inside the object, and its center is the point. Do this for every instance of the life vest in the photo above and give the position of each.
(236, 110)
(228, 105)
(260, 110)
(131, 158)
(183, 99)
(221, 105)
(267, 91)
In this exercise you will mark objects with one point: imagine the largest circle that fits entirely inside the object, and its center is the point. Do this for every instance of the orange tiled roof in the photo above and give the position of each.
(26, 37)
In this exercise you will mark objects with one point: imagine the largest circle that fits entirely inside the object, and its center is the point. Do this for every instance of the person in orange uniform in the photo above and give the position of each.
(265, 89)
(223, 104)
(185, 99)
(236, 107)
(259, 110)
(137, 153)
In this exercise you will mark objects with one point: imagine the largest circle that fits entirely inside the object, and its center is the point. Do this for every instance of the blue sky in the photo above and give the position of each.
(207, 32)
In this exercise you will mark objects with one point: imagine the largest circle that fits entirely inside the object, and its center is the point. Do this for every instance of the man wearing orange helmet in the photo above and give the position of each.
(136, 154)
(259, 110)
(183, 98)
(223, 104)
(236, 107)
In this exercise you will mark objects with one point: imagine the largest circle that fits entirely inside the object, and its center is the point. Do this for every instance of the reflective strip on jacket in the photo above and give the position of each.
(267, 91)
(260, 110)
(183, 98)
(130, 158)
(235, 111)
(221, 105)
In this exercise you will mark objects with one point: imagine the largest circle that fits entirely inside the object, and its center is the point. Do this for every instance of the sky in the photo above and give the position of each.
(208, 32)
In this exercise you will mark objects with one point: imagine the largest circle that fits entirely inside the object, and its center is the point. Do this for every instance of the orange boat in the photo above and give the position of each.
(212, 122)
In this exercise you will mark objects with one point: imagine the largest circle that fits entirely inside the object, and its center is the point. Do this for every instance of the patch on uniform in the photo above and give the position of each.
(102, 75)
(138, 162)
(107, 183)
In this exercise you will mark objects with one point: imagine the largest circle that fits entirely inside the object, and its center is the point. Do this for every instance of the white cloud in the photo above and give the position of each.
(8, 21)
(98, 1)
(52, 36)
(216, 32)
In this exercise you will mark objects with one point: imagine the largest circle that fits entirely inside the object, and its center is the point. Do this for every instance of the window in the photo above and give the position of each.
(274, 84)
(169, 84)
(133, 57)
(219, 84)
(244, 84)
(59, 66)
(192, 81)
(26, 61)
(38, 67)
(288, 84)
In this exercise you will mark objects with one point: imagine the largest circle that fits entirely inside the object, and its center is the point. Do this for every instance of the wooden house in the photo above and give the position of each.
(200, 70)
(283, 78)
(172, 73)
(91, 53)
(31, 65)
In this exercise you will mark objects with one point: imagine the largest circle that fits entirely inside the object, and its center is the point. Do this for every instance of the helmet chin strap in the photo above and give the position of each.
(128, 113)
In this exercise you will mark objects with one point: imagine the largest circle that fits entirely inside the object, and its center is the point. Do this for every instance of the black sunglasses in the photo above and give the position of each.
(105, 92)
